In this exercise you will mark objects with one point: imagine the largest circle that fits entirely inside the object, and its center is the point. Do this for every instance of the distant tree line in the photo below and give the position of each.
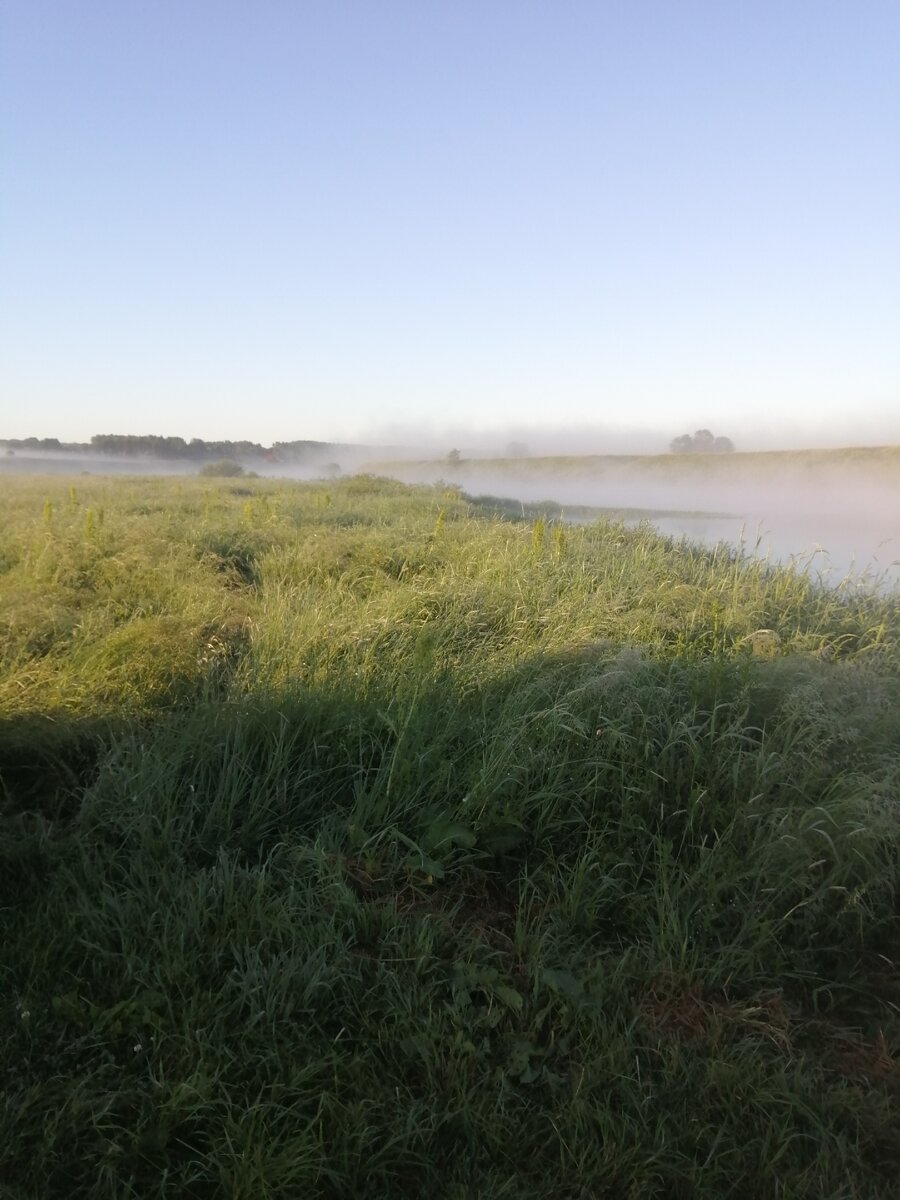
(176, 448)
(33, 443)
(701, 442)
(153, 446)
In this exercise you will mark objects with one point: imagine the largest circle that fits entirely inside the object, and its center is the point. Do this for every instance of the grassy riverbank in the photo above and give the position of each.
(362, 840)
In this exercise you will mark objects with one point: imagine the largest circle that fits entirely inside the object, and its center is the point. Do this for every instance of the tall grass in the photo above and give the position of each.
(355, 841)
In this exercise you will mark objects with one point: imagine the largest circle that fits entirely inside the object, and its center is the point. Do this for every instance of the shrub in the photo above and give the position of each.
(222, 467)
(702, 442)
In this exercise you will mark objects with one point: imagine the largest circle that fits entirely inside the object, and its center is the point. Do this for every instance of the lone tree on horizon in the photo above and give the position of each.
(702, 442)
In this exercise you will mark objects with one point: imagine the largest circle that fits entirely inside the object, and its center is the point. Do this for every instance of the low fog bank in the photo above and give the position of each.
(857, 484)
(842, 516)
(65, 462)
(516, 438)
(418, 441)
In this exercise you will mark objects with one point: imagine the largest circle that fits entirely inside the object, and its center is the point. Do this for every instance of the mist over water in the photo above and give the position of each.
(830, 547)
(833, 520)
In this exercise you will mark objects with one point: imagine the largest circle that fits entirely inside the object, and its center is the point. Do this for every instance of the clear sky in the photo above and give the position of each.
(325, 219)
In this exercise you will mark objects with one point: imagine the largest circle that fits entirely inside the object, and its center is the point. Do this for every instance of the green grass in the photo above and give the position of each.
(361, 840)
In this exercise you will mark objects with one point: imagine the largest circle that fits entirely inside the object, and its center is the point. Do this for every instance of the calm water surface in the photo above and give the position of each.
(828, 547)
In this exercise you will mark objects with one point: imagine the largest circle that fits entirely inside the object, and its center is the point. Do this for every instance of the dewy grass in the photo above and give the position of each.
(355, 841)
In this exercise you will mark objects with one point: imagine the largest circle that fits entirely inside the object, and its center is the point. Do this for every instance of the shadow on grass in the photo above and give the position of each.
(47, 760)
(283, 940)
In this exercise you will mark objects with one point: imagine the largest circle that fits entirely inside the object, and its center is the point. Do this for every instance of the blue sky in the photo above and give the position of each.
(333, 220)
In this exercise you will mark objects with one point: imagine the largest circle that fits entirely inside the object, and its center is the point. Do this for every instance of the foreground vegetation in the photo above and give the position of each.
(356, 841)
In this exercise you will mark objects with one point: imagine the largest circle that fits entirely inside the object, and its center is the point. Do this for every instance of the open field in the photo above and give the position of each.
(359, 840)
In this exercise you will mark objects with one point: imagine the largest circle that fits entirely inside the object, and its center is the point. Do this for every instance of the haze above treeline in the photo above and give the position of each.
(177, 448)
(416, 443)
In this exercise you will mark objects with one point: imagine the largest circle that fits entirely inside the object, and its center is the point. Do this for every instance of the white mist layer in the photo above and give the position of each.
(838, 520)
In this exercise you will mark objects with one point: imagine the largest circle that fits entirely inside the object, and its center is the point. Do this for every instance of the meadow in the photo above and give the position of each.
(364, 839)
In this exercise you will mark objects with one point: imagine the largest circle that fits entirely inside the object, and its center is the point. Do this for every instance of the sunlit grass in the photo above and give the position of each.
(362, 840)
